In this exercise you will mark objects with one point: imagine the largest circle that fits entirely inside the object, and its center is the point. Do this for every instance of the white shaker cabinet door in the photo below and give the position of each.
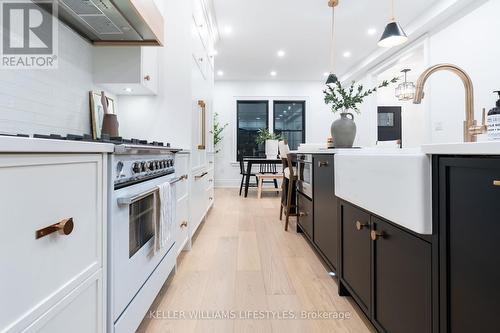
(39, 191)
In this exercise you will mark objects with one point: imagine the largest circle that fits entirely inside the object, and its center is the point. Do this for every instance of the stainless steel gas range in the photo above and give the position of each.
(137, 270)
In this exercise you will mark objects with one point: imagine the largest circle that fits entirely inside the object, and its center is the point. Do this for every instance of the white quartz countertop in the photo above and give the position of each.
(30, 145)
(460, 148)
(323, 151)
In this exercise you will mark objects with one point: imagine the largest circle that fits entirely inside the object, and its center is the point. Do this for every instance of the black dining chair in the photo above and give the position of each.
(243, 173)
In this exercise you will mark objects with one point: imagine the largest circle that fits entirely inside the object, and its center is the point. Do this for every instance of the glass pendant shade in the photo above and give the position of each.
(406, 90)
(393, 35)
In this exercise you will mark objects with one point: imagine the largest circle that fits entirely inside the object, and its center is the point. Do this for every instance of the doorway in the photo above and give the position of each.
(389, 124)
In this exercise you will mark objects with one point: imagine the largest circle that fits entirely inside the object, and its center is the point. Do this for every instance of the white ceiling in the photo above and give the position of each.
(302, 29)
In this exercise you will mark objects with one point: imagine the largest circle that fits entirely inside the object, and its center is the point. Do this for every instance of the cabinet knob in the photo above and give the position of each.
(322, 164)
(147, 78)
(496, 183)
(64, 227)
(376, 235)
(184, 224)
(360, 225)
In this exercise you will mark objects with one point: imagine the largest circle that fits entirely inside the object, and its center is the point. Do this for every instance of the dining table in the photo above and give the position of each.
(251, 161)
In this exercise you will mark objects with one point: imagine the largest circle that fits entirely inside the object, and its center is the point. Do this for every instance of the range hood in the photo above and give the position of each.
(114, 22)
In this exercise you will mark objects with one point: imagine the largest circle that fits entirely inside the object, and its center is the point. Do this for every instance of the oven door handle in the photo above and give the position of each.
(126, 201)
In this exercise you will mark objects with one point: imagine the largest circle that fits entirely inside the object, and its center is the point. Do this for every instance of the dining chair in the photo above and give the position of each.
(288, 193)
(268, 175)
(244, 175)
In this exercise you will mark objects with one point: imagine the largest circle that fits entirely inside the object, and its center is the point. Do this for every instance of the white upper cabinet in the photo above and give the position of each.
(127, 70)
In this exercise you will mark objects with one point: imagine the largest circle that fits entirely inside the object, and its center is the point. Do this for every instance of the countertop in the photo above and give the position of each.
(461, 148)
(30, 145)
(323, 151)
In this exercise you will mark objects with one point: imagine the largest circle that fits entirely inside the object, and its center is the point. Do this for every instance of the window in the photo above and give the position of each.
(251, 116)
(289, 121)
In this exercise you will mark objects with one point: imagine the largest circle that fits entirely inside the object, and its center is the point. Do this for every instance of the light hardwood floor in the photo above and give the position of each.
(243, 260)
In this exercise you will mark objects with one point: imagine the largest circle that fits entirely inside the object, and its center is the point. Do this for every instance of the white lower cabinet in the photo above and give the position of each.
(182, 208)
(53, 283)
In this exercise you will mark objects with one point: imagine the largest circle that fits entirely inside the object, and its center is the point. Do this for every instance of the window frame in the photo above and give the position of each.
(303, 102)
(251, 101)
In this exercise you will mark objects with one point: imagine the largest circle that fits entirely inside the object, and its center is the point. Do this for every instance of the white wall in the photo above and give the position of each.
(318, 116)
(52, 100)
(167, 116)
(471, 43)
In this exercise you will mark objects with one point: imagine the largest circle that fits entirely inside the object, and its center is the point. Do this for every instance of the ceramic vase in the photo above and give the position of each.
(344, 130)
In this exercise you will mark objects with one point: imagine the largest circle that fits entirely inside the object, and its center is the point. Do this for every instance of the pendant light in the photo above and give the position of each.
(332, 78)
(406, 90)
(394, 34)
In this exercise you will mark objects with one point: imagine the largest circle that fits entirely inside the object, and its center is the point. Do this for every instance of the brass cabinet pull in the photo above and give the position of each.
(147, 78)
(184, 224)
(203, 106)
(376, 235)
(360, 225)
(201, 176)
(496, 183)
(65, 227)
(322, 164)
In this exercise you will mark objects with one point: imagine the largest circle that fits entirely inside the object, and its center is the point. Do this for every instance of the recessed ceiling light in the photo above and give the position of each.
(228, 29)
(281, 53)
(347, 54)
(372, 31)
(220, 73)
(273, 73)
(129, 90)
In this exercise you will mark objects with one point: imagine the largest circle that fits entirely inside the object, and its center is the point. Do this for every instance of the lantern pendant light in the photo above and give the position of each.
(332, 78)
(394, 34)
(406, 90)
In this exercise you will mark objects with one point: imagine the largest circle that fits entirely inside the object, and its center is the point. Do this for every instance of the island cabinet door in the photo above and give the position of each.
(401, 280)
(469, 219)
(325, 208)
(305, 219)
(356, 254)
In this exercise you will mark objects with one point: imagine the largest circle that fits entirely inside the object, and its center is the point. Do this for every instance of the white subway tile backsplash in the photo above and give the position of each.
(50, 101)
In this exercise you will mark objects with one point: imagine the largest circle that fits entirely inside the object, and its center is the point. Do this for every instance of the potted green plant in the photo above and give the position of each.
(271, 141)
(217, 131)
(347, 100)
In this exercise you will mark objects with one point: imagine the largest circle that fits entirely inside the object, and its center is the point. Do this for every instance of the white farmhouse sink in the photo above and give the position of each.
(394, 184)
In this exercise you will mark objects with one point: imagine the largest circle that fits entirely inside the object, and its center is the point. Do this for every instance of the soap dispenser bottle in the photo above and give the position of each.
(494, 121)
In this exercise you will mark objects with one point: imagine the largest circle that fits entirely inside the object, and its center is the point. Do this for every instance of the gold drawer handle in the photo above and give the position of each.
(376, 235)
(184, 224)
(360, 226)
(65, 227)
(496, 183)
(201, 176)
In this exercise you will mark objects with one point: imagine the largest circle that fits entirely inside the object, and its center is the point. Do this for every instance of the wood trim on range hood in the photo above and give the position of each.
(114, 22)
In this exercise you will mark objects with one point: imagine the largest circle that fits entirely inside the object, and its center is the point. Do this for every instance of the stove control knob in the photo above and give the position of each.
(157, 165)
(144, 167)
(172, 163)
(164, 163)
(151, 166)
(136, 167)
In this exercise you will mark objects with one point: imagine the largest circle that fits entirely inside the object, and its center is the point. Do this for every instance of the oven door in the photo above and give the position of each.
(305, 174)
(132, 237)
